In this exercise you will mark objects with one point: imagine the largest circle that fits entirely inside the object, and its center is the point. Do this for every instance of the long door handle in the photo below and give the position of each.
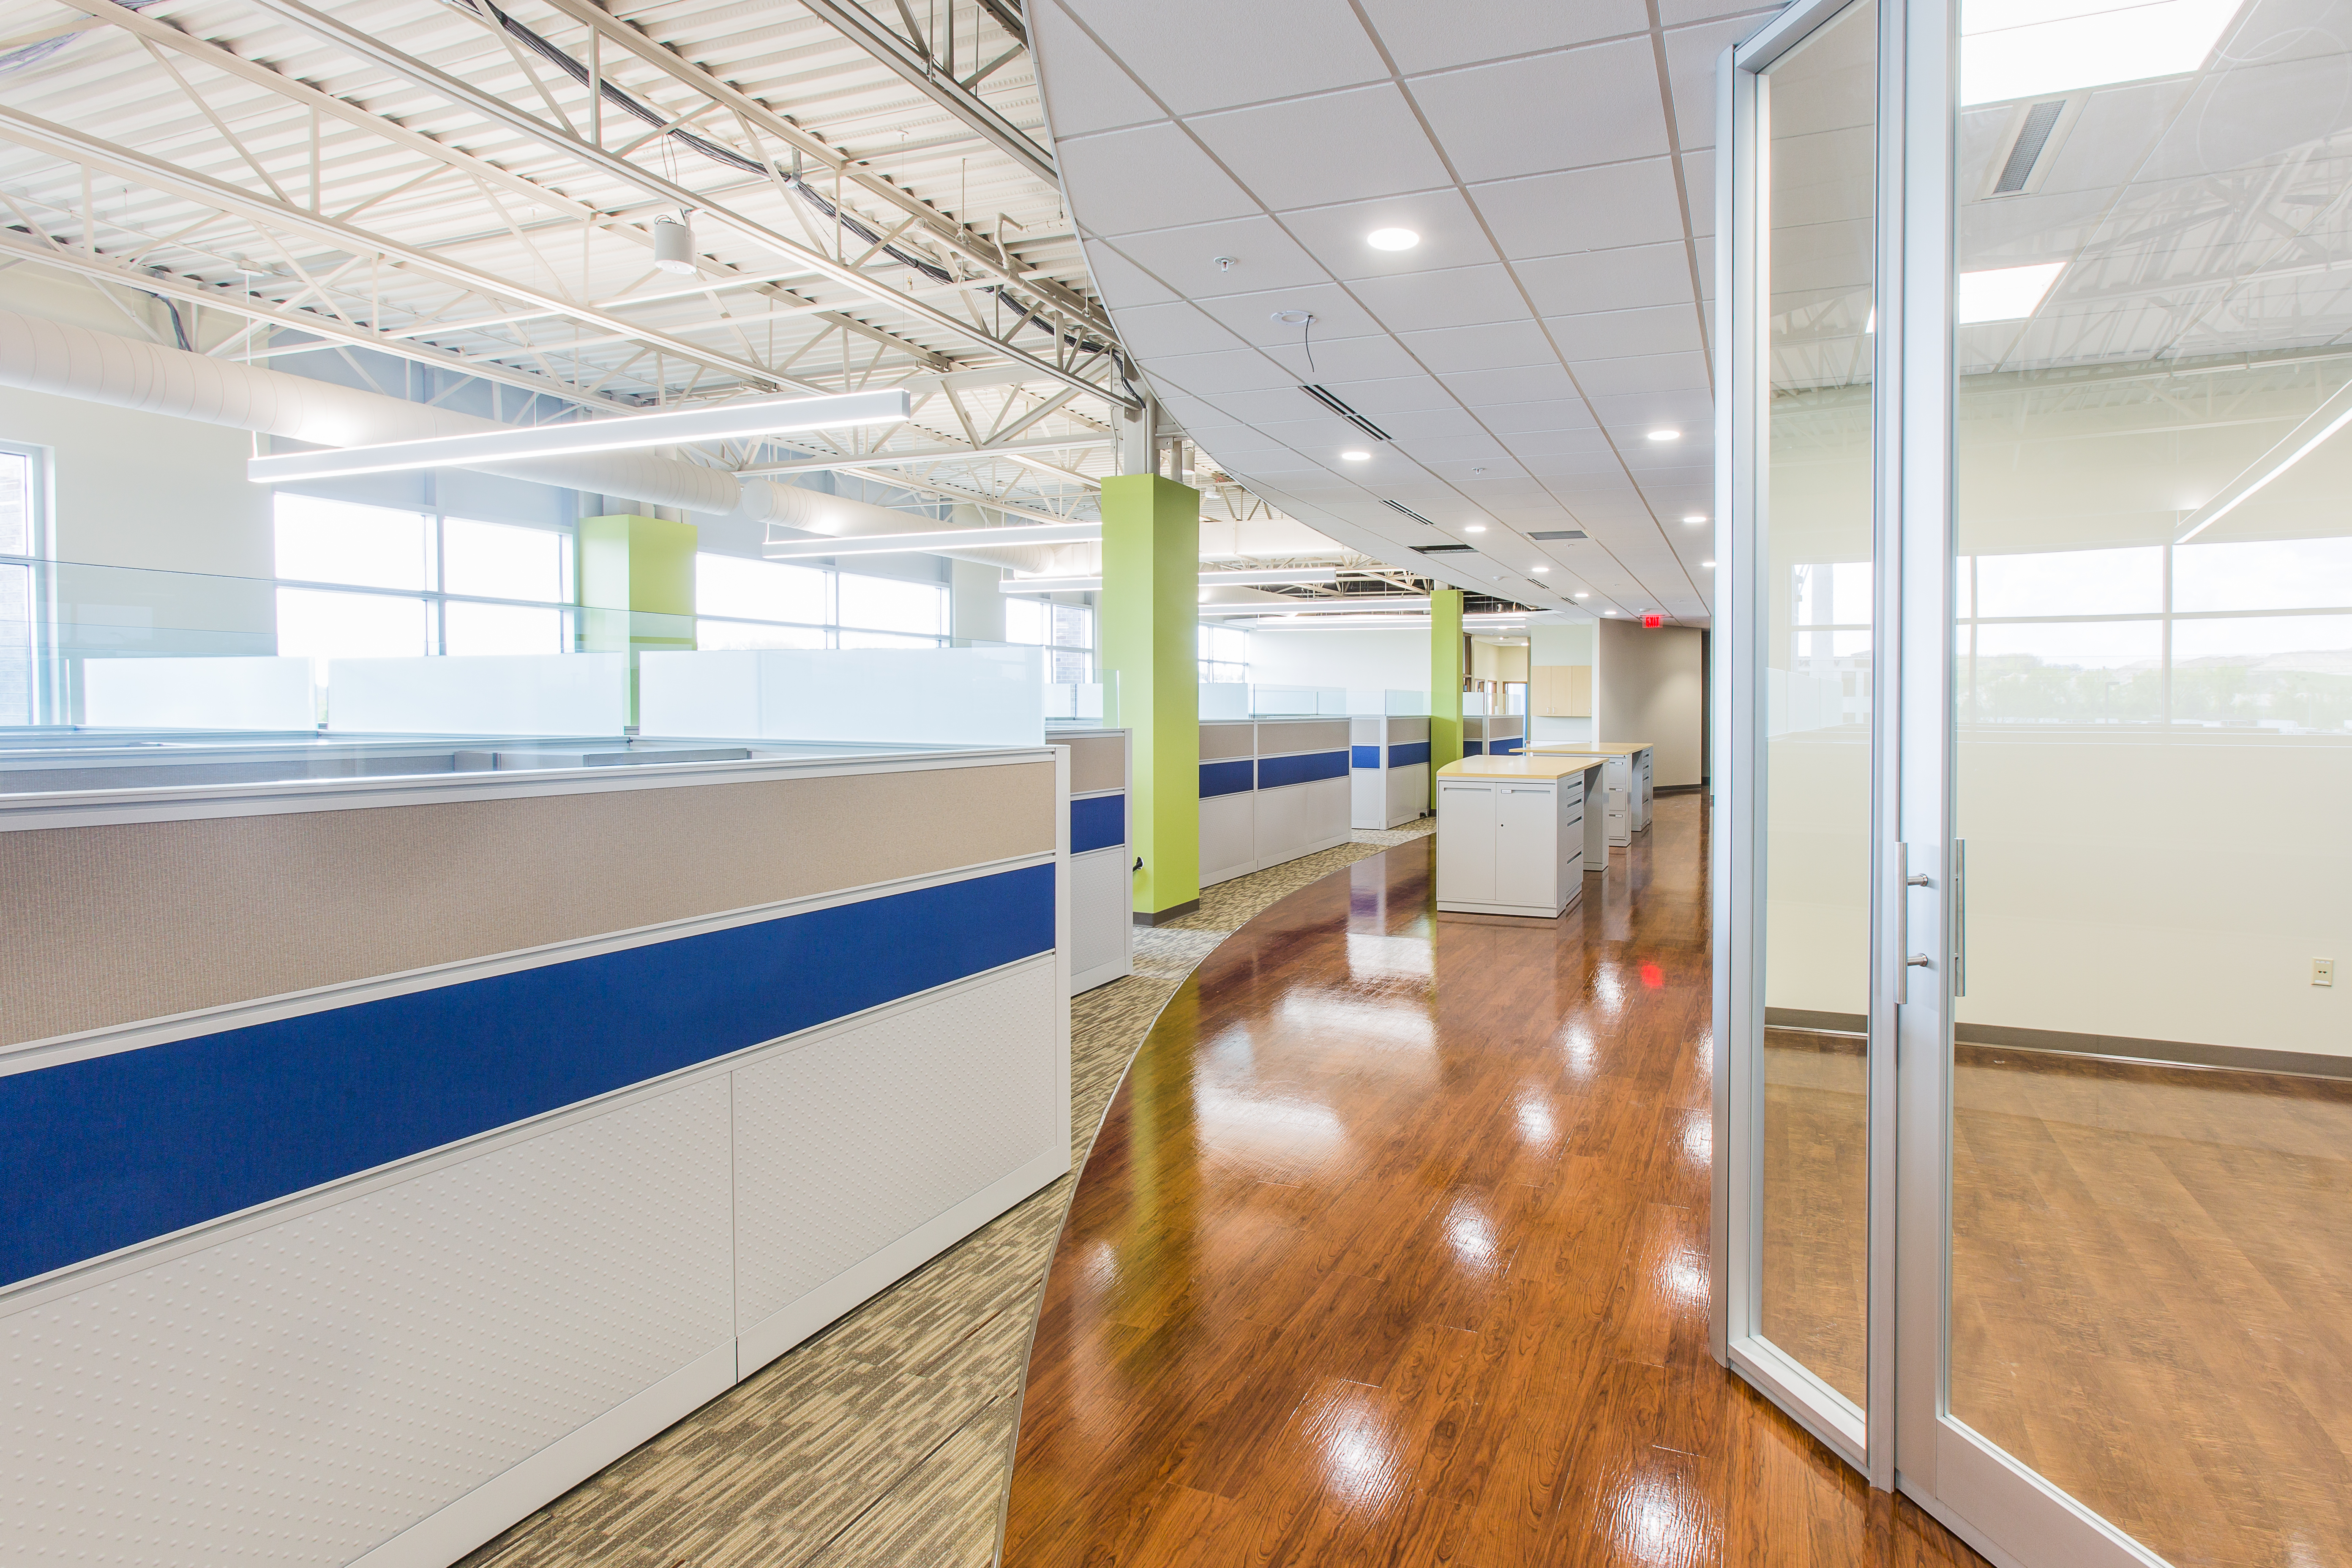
(1959, 917)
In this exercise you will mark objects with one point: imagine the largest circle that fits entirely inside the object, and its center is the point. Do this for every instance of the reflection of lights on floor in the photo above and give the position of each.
(1241, 1123)
(1576, 1045)
(1685, 1277)
(1698, 1138)
(1359, 1464)
(1363, 1023)
(1535, 1125)
(1101, 1266)
(1388, 958)
(1469, 1233)
(1654, 1520)
(1608, 986)
(1653, 976)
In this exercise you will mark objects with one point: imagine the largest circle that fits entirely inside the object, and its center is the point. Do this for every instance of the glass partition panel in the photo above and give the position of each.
(1818, 110)
(2150, 1245)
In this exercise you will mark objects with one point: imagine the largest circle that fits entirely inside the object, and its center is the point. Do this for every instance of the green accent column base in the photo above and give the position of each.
(1149, 620)
(636, 589)
(1444, 683)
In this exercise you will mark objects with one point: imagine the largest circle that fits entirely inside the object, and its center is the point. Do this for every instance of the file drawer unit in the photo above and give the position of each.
(1514, 837)
(1493, 734)
(1271, 790)
(1388, 772)
(1625, 782)
(1102, 879)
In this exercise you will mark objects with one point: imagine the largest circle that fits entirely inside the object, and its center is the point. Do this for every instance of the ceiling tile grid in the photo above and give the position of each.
(1520, 365)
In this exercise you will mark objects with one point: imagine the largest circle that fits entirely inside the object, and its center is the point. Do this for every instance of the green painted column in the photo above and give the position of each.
(1149, 621)
(637, 588)
(1444, 683)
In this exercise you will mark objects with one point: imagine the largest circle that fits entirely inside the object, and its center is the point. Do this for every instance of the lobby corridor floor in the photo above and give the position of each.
(1393, 1249)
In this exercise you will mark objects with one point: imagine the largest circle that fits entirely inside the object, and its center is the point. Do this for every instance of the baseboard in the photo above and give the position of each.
(2105, 1048)
(1190, 906)
(1101, 974)
(780, 1332)
(440, 1539)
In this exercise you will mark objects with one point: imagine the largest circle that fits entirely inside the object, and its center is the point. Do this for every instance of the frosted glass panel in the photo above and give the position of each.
(935, 696)
(319, 624)
(199, 694)
(550, 694)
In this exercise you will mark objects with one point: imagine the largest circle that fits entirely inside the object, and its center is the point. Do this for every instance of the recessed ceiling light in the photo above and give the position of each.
(1391, 239)
(1584, 596)
(2014, 52)
(2004, 293)
(1708, 565)
(1665, 435)
(1538, 568)
(1355, 456)
(1695, 518)
(1608, 612)
(1474, 528)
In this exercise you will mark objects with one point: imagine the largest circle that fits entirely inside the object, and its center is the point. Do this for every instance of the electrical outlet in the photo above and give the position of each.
(2322, 972)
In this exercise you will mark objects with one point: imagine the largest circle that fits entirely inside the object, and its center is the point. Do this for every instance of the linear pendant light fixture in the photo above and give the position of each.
(946, 539)
(1208, 580)
(711, 422)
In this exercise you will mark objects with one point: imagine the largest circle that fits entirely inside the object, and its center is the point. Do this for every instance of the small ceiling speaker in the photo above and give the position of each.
(673, 245)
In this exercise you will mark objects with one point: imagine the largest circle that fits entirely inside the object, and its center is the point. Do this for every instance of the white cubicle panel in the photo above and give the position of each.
(1493, 734)
(1102, 877)
(1395, 702)
(270, 694)
(1271, 791)
(873, 696)
(514, 1117)
(1388, 772)
(480, 694)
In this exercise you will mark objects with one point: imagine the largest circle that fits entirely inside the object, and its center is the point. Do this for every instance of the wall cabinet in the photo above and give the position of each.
(1561, 691)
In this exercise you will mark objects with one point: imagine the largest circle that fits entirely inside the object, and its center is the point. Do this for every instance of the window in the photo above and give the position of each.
(20, 494)
(1065, 631)
(747, 603)
(365, 582)
(1225, 653)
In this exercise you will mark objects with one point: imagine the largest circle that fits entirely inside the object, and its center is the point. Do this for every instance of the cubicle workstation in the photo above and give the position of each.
(1495, 734)
(1102, 881)
(389, 1155)
(1388, 770)
(1514, 835)
(1271, 790)
(1627, 781)
(193, 759)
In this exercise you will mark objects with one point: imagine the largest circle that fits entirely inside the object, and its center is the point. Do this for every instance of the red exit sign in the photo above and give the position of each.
(1652, 622)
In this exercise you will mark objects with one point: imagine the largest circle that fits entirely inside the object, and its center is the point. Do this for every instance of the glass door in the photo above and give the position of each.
(1805, 580)
(2127, 1113)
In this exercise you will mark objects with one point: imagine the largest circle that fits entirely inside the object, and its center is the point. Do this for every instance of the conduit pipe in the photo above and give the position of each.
(41, 355)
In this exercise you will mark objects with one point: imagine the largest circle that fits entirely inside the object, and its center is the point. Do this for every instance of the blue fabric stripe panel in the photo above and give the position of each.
(115, 1150)
(1473, 748)
(1364, 756)
(1506, 746)
(1225, 778)
(1273, 773)
(1097, 822)
(1411, 751)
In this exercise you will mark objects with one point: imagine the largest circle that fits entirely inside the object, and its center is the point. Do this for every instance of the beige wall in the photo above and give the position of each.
(1650, 685)
(1497, 661)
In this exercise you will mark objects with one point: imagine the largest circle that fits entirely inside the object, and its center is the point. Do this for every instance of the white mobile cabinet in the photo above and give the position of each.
(1388, 770)
(1625, 782)
(1513, 835)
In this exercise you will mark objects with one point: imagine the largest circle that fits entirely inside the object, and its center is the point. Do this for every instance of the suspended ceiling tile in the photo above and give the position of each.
(1432, 35)
(1641, 373)
(1338, 361)
(1566, 414)
(1426, 302)
(1268, 406)
(1250, 316)
(1620, 280)
(1263, 51)
(1610, 335)
(1698, 183)
(1450, 231)
(1229, 370)
(1284, 153)
(1393, 395)
(1411, 428)
(1560, 443)
(1147, 178)
(1498, 346)
(1178, 329)
(1117, 278)
(1088, 91)
(1263, 257)
(1564, 110)
(1583, 209)
(1520, 384)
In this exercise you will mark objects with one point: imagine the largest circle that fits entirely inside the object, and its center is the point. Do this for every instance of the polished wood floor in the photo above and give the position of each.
(1393, 1249)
